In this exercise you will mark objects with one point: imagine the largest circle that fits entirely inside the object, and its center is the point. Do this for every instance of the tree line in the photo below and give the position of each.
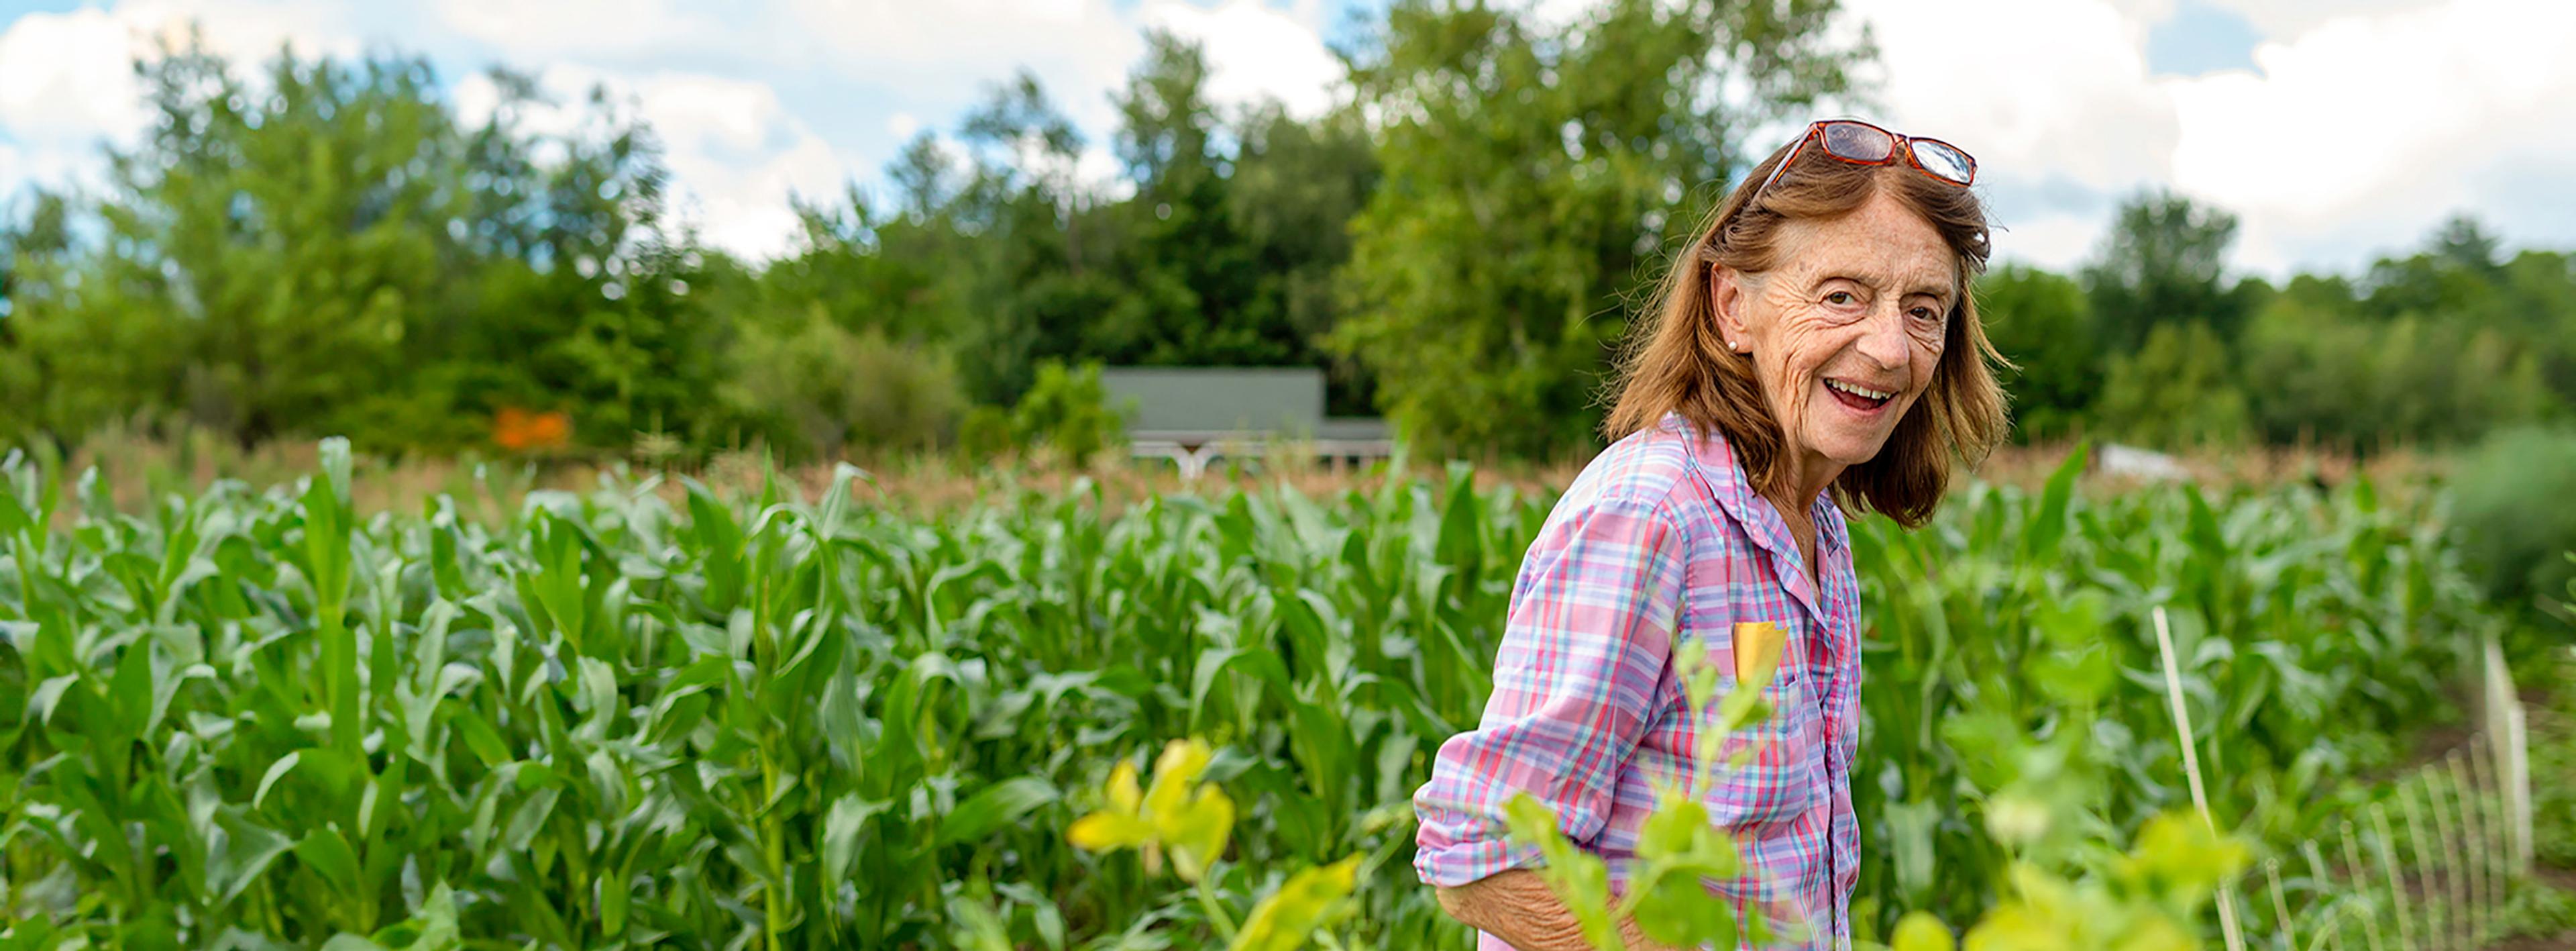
(325, 246)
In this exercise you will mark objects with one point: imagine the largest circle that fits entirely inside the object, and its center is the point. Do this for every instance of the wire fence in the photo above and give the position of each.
(2431, 864)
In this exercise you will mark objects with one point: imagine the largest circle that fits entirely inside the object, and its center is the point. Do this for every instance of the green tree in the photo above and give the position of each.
(1531, 179)
(570, 291)
(2043, 323)
(262, 255)
(1030, 285)
(1190, 271)
(2537, 303)
(2457, 281)
(2177, 391)
(338, 254)
(1295, 188)
(32, 253)
(2309, 365)
(2164, 261)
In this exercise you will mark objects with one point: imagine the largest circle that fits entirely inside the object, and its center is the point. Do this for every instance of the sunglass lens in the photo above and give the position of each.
(1858, 142)
(1939, 158)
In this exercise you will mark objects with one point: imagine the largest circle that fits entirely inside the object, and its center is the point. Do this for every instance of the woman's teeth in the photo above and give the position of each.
(1863, 392)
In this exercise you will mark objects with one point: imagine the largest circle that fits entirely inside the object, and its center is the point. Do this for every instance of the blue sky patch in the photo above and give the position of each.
(2199, 38)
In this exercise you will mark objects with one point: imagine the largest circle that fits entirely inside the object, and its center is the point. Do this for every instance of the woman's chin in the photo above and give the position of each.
(1847, 448)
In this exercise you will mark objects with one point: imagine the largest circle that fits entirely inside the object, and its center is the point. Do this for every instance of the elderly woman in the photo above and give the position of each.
(1816, 348)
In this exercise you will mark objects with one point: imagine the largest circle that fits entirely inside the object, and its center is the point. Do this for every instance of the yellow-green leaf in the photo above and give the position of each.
(1197, 833)
(1174, 773)
(1920, 931)
(1106, 831)
(1282, 921)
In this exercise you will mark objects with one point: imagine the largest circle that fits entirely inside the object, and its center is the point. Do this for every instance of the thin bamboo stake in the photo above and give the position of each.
(2463, 915)
(2489, 773)
(2388, 868)
(2352, 867)
(2481, 834)
(2191, 767)
(2318, 873)
(2332, 937)
(2437, 923)
(2280, 906)
(2471, 872)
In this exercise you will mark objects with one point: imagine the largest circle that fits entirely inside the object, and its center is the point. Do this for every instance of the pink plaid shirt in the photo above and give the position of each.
(1661, 533)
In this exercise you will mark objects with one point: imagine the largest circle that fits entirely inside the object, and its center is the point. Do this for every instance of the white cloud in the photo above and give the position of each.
(251, 31)
(915, 58)
(67, 83)
(2279, 18)
(2047, 94)
(943, 54)
(2057, 241)
(560, 27)
(1255, 51)
(2360, 134)
(2364, 124)
(69, 76)
(734, 151)
(738, 155)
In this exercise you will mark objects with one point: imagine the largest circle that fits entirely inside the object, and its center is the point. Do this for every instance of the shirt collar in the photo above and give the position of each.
(1734, 490)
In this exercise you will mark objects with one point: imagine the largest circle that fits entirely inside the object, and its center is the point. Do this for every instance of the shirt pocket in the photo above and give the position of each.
(1764, 778)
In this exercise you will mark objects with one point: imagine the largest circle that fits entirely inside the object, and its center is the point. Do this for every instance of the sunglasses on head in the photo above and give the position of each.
(1861, 143)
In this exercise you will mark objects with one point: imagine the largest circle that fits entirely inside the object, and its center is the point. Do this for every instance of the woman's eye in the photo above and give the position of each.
(1840, 298)
(1926, 314)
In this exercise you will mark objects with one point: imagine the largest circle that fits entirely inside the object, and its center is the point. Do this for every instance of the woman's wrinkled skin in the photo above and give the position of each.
(1862, 299)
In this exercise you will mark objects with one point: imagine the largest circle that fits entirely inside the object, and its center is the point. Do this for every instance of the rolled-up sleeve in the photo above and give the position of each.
(1585, 644)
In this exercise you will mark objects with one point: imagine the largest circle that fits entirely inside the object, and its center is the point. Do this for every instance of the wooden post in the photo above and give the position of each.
(2513, 768)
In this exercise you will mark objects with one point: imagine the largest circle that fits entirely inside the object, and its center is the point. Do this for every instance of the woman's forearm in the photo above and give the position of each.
(1516, 907)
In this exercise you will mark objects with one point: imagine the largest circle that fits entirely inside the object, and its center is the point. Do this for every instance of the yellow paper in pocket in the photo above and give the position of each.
(1757, 651)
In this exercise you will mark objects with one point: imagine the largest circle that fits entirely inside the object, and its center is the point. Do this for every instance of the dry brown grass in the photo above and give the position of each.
(134, 469)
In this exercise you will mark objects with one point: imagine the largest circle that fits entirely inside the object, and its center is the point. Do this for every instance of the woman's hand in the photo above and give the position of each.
(1516, 907)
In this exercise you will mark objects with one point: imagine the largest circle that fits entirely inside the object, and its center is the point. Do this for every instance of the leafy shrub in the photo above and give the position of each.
(984, 433)
(2176, 391)
(823, 390)
(2512, 514)
(1068, 410)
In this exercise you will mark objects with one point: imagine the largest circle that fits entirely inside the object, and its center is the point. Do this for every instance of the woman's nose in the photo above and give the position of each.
(1882, 337)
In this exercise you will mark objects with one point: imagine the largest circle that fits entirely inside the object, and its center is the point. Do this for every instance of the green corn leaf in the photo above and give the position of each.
(994, 807)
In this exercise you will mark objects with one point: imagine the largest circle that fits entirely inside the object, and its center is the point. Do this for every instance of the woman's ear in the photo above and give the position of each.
(1727, 298)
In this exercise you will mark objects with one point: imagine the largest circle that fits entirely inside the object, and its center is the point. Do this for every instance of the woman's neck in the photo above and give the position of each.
(1808, 476)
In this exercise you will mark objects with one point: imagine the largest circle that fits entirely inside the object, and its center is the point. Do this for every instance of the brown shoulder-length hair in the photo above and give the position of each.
(1677, 361)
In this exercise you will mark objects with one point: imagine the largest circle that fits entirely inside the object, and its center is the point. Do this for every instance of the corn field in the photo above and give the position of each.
(635, 716)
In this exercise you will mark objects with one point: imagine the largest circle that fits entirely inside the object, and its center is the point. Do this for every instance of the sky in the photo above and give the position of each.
(2336, 130)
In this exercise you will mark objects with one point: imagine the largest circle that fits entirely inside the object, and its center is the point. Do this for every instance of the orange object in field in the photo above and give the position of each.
(520, 430)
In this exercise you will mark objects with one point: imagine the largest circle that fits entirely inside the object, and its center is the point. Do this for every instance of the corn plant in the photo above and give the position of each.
(650, 713)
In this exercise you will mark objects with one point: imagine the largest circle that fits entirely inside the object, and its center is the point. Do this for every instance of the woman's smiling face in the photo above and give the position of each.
(1845, 330)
